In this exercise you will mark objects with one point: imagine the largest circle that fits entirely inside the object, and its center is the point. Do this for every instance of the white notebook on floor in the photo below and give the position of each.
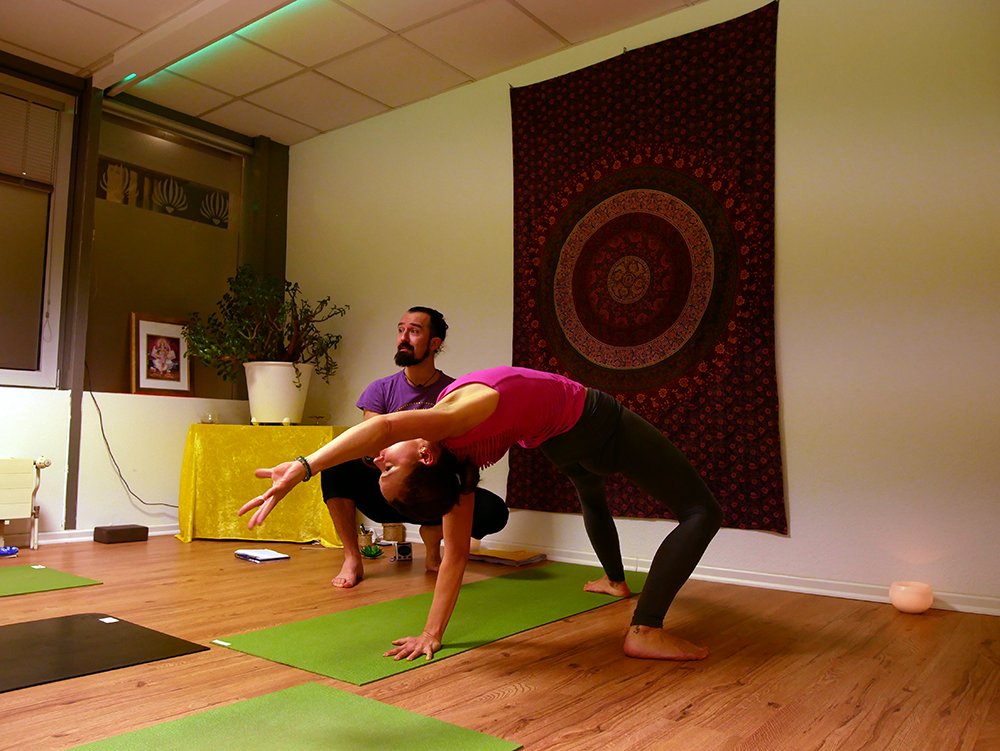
(259, 555)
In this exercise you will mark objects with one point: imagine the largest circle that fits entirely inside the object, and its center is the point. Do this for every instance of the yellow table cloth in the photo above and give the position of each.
(217, 479)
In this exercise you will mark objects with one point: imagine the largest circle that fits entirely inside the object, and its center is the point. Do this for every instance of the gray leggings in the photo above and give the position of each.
(609, 439)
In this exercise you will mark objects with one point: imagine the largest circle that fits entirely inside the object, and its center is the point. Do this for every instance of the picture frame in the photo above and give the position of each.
(159, 356)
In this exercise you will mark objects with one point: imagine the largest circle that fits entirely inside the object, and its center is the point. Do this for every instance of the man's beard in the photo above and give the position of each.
(407, 357)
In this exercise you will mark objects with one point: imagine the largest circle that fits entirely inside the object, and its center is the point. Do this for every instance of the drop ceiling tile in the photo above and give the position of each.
(401, 14)
(252, 121)
(485, 38)
(580, 20)
(179, 93)
(311, 31)
(393, 71)
(317, 101)
(62, 31)
(62, 65)
(140, 15)
(235, 66)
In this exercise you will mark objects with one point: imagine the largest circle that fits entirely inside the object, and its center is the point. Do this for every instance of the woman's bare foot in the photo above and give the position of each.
(605, 586)
(350, 574)
(648, 643)
(432, 537)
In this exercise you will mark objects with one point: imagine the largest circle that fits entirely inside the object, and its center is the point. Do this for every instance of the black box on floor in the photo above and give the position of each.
(121, 533)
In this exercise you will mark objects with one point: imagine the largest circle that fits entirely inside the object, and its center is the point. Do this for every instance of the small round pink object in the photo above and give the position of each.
(911, 597)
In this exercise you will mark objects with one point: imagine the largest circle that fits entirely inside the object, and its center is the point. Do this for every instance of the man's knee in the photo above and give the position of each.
(490, 514)
(348, 480)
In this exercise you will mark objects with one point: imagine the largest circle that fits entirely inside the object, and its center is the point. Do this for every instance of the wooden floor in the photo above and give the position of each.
(787, 671)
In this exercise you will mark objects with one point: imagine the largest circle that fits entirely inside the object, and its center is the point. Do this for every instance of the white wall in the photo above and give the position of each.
(146, 436)
(888, 322)
(34, 423)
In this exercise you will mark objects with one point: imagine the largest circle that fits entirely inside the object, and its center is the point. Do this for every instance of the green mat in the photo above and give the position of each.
(310, 716)
(21, 580)
(349, 646)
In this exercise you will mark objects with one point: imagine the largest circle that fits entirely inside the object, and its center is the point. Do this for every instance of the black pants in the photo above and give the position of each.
(609, 439)
(358, 481)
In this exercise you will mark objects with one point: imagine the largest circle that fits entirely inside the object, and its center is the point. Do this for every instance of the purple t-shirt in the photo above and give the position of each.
(533, 407)
(395, 394)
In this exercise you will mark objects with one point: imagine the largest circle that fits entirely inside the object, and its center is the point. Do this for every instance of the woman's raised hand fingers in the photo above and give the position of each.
(258, 518)
(280, 485)
(249, 505)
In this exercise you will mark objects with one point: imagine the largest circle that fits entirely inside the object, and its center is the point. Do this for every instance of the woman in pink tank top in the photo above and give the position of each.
(430, 461)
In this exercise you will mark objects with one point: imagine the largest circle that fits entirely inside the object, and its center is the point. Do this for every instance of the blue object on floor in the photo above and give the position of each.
(8, 552)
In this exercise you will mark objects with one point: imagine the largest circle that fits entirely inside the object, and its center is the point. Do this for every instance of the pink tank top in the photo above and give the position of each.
(533, 407)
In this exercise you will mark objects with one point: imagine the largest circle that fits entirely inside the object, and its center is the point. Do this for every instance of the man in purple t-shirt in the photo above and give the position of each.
(354, 485)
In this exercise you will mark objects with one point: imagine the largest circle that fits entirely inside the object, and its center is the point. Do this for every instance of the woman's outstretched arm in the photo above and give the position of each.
(457, 413)
(367, 438)
(457, 538)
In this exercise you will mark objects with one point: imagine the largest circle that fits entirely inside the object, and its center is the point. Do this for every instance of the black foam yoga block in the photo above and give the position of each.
(54, 649)
(121, 533)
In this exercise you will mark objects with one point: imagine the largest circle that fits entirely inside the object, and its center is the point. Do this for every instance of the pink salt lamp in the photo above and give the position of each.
(911, 597)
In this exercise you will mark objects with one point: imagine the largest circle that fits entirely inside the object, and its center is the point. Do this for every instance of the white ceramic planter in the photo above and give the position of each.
(274, 398)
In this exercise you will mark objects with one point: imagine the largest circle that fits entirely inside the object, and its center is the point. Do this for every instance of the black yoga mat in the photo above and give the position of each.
(54, 649)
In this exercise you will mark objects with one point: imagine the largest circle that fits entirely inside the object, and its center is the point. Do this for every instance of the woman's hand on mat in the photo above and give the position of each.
(410, 646)
(283, 478)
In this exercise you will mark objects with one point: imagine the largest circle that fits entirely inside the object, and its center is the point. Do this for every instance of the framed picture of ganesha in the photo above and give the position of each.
(159, 362)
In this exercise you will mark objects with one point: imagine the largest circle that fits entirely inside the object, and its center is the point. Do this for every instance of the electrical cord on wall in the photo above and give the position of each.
(100, 419)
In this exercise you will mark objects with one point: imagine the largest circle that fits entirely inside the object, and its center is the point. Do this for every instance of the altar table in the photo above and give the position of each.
(217, 479)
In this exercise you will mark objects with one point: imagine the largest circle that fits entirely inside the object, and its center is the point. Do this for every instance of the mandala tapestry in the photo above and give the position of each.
(644, 258)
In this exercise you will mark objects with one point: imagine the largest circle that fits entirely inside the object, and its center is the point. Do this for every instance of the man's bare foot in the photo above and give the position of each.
(432, 537)
(605, 586)
(350, 574)
(648, 643)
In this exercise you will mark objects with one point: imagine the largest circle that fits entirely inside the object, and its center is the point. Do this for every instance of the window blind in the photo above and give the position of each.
(29, 136)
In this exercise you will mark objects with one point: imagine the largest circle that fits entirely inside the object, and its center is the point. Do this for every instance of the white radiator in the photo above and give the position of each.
(17, 489)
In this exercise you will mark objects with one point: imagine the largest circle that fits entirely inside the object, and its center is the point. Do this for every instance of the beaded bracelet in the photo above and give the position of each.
(305, 463)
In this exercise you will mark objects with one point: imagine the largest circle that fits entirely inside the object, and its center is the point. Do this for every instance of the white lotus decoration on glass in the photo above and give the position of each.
(116, 182)
(170, 195)
(215, 207)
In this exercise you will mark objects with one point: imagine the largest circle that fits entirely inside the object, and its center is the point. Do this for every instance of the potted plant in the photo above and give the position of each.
(263, 325)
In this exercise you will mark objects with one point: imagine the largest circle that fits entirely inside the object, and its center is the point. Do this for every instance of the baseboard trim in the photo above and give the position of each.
(846, 590)
(827, 588)
(87, 535)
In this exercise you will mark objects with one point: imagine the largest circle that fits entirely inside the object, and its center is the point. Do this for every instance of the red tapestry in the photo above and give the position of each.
(644, 258)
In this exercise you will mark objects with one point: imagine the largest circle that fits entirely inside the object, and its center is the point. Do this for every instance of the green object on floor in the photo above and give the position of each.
(306, 717)
(22, 580)
(349, 645)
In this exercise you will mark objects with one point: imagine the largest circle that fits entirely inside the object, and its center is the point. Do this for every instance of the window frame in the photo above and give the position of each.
(50, 325)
